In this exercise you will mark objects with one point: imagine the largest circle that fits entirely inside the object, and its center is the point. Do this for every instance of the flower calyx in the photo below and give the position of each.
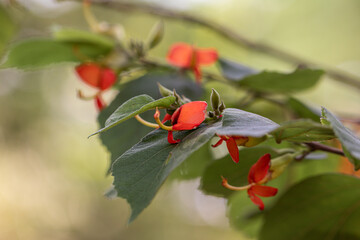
(217, 105)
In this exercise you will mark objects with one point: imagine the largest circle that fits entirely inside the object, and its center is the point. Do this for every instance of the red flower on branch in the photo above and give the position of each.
(187, 56)
(259, 174)
(101, 78)
(231, 143)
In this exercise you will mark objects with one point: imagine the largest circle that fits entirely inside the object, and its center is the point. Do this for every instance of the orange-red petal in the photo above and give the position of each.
(107, 78)
(181, 54)
(171, 139)
(218, 143)
(206, 56)
(99, 103)
(233, 149)
(197, 73)
(260, 169)
(166, 118)
(89, 73)
(255, 199)
(189, 115)
(264, 191)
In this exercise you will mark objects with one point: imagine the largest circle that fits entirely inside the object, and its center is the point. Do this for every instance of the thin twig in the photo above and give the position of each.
(227, 33)
(314, 146)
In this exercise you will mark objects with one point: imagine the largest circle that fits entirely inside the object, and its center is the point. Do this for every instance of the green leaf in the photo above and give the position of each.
(322, 207)
(76, 36)
(41, 52)
(275, 82)
(140, 171)
(235, 173)
(350, 143)
(233, 70)
(241, 123)
(302, 110)
(302, 130)
(128, 133)
(133, 107)
(7, 28)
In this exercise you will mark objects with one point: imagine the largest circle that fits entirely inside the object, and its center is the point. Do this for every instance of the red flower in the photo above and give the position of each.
(186, 56)
(259, 174)
(98, 77)
(231, 143)
(186, 117)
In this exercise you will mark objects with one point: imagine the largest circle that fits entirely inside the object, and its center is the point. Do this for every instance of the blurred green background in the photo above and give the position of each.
(52, 178)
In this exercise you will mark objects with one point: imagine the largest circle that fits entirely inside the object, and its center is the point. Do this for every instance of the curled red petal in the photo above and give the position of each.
(107, 78)
(89, 73)
(233, 149)
(218, 143)
(206, 56)
(255, 199)
(99, 103)
(197, 73)
(260, 169)
(171, 139)
(264, 191)
(181, 54)
(189, 115)
(166, 118)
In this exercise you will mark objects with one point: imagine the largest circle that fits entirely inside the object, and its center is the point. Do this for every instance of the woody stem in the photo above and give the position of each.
(146, 123)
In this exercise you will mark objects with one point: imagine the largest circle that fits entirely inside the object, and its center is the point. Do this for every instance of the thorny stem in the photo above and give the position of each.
(313, 146)
(227, 33)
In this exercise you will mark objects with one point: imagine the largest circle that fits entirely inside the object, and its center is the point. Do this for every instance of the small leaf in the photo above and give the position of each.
(156, 35)
(275, 82)
(302, 110)
(41, 52)
(302, 130)
(321, 207)
(69, 35)
(235, 71)
(350, 143)
(135, 106)
(241, 123)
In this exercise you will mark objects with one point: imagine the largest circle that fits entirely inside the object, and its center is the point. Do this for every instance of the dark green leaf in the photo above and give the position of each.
(76, 36)
(233, 70)
(275, 82)
(322, 207)
(135, 106)
(302, 130)
(41, 52)
(302, 110)
(350, 143)
(235, 173)
(241, 123)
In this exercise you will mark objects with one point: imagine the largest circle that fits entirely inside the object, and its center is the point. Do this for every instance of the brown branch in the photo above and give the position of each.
(232, 36)
(314, 146)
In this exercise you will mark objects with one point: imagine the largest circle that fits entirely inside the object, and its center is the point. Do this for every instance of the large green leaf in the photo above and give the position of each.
(302, 130)
(322, 207)
(241, 123)
(133, 107)
(235, 173)
(233, 70)
(36, 53)
(7, 28)
(275, 82)
(302, 110)
(350, 143)
(76, 36)
(123, 136)
(140, 171)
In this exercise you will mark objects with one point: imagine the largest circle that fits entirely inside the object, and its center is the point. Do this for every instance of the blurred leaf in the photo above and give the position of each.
(233, 70)
(7, 29)
(275, 82)
(241, 123)
(350, 143)
(140, 171)
(322, 207)
(135, 106)
(302, 110)
(156, 34)
(302, 130)
(235, 173)
(41, 52)
(128, 133)
(76, 36)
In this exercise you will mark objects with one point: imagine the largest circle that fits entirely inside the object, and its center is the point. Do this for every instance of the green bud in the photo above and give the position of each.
(279, 164)
(164, 91)
(156, 34)
(178, 98)
(215, 100)
(222, 107)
